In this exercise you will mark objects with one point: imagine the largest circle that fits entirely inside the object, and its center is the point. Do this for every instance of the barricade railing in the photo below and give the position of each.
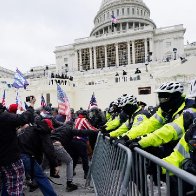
(110, 168)
(144, 182)
(118, 171)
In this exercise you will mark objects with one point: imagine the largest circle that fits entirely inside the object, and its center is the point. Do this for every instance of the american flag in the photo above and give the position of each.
(63, 103)
(3, 98)
(114, 21)
(43, 102)
(93, 102)
(19, 103)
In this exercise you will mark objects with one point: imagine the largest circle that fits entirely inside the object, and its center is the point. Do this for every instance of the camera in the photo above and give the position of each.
(29, 98)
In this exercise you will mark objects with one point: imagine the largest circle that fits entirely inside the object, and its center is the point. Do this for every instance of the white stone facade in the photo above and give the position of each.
(94, 62)
(134, 40)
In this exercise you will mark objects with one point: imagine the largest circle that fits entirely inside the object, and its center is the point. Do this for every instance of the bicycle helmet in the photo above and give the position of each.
(192, 90)
(170, 87)
(128, 100)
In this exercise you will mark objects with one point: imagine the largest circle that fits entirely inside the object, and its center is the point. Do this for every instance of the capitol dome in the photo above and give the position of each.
(130, 14)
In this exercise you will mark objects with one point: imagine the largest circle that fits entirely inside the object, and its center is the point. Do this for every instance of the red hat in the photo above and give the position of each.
(13, 108)
(49, 123)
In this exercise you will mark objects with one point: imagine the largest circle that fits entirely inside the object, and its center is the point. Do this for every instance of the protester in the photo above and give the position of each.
(11, 167)
(34, 141)
(65, 134)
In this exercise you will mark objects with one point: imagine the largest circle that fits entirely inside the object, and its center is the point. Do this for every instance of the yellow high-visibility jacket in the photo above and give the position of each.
(137, 117)
(156, 122)
(180, 153)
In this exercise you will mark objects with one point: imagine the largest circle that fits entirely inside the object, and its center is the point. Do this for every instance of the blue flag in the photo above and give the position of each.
(19, 80)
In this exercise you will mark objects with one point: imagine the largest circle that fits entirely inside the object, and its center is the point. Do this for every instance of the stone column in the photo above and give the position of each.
(127, 26)
(95, 58)
(128, 51)
(91, 58)
(80, 55)
(146, 50)
(106, 56)
(117, 57)
(133, 51)
(151, 42)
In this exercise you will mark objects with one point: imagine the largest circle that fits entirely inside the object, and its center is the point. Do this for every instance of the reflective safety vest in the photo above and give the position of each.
(180, 153)
(156, 122)
(138, 116)
(116, 122)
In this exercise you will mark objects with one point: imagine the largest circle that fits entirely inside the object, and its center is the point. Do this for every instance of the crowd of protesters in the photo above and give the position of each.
(36, 139)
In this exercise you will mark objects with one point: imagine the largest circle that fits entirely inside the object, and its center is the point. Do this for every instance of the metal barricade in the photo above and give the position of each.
(110, 168)
(144, 182)
(118, 171)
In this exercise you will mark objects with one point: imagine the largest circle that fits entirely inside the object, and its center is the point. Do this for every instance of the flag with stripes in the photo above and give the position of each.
(3, 99)
(20, 104)
(43, 102)
(114, 21)
(63, 103)
(19, 80)
(93, 102)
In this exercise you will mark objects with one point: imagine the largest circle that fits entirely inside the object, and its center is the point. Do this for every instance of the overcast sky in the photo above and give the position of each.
(30, 30)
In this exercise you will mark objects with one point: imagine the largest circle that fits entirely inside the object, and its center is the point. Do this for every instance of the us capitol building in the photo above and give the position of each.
(106, 62)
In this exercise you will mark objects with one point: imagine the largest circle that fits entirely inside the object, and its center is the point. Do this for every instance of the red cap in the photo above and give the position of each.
(49, 123)
(13, 108)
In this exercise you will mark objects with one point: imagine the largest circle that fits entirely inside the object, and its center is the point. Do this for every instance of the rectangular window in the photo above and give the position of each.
(117, 13)
(144, 90)
(133, 11)
(123, 11)
(168, 44)
(128, 11)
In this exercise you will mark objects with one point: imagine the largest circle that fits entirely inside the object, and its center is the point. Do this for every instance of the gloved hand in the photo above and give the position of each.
(105, 134)
(112, 140)
(189, 166)
(103, 129)
(121, 140)
(130, 142)
(133, 144)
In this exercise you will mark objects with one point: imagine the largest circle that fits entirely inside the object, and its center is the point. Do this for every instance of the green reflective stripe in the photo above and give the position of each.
(177, 129)
(182, 151)
(156, 116)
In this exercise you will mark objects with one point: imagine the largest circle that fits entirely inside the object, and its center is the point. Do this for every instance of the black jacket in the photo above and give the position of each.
(65, 134)
(35, 141)
(9, 151)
